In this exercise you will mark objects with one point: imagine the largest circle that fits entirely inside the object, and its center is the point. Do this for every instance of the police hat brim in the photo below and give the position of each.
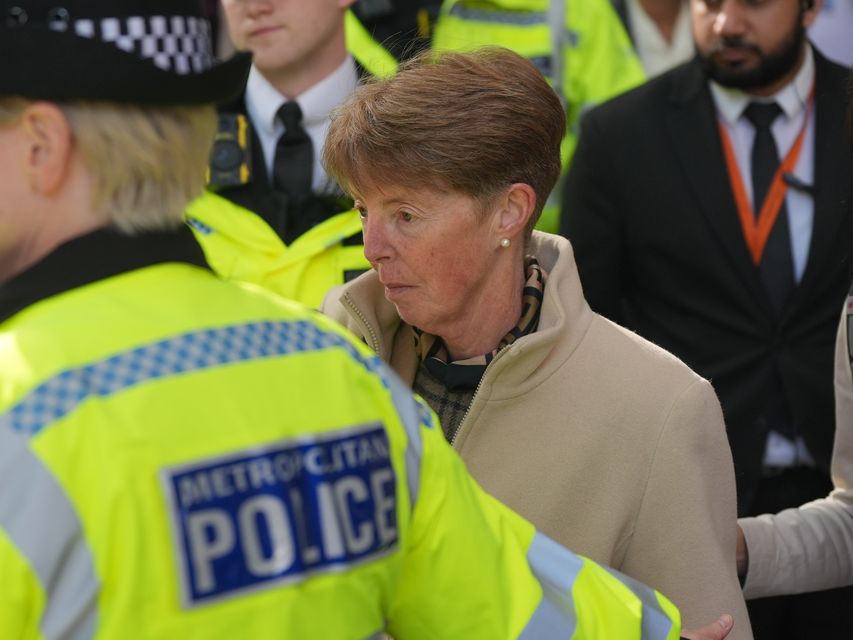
(61, 66)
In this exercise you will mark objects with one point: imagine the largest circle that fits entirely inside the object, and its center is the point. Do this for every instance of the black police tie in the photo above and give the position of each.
(777, 264)
(293, 165)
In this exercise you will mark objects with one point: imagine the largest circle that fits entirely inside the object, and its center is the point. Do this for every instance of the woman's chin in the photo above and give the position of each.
(411, 317)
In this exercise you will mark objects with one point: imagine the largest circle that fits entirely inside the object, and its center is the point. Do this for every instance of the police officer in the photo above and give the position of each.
(271, 216)
(403, 26)
(579, 45)
(170, 465)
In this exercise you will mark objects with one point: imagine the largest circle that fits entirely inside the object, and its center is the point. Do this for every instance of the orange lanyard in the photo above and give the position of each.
(756, 231)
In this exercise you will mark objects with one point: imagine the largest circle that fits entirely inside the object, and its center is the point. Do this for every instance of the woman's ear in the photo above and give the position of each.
(48, 139)
(517, 208)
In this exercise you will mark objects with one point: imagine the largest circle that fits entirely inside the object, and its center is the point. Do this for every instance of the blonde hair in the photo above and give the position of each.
(146, 163)
(472, 122)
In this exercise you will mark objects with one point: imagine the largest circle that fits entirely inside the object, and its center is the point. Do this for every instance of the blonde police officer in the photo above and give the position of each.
(183, 457)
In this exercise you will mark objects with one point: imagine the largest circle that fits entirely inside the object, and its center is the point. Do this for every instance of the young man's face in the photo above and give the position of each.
(283, 34)
(750, 44)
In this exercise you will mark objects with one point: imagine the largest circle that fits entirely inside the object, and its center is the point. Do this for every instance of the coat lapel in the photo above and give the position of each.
(695, 139)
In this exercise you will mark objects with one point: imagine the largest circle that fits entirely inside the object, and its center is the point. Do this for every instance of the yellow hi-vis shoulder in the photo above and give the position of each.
(185, 457)
(582, 49)
(376, 59)
(240, 245)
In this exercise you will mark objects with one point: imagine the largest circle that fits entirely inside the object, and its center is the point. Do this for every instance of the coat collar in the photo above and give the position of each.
(93, 257)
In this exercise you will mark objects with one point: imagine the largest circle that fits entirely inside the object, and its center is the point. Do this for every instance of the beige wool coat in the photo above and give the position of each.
(605, 442)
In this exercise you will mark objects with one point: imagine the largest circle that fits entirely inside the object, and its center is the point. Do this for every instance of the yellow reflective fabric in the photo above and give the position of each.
(597, 60)
(674, 614)
(240, 245)
(371, 55)
(23, 596)
(594, 588)
(493, 563)
(109, 455)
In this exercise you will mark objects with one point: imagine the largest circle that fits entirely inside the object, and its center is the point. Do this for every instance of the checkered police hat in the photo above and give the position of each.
(155, 52)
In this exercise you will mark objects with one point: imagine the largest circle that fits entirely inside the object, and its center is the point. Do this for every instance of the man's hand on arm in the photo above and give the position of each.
(717, 630)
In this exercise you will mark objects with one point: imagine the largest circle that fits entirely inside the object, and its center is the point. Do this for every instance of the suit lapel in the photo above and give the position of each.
(695, 139)
(832, 172)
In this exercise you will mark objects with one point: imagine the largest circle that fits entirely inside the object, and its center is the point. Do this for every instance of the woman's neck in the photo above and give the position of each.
(489, 317)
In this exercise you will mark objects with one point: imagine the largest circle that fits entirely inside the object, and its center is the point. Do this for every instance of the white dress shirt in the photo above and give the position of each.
(263, 102)
(793, 100)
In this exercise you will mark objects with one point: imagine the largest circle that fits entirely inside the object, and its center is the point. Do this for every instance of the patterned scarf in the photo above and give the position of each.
(462, 375)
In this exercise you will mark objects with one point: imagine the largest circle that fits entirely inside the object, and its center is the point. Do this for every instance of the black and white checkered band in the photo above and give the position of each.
(181, 44)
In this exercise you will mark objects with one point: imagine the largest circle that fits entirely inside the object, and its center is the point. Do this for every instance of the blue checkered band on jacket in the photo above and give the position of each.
(209, 348)
(181, 44)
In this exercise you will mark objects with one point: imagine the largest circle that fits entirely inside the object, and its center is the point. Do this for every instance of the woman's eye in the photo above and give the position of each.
(406, 216)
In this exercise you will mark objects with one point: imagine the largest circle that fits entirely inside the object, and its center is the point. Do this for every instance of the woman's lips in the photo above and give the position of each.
(395, 289)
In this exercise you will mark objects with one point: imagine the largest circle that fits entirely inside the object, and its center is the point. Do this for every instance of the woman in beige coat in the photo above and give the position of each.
(608, 444)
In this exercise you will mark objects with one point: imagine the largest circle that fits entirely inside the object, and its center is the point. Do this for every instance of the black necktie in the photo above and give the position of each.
(293, 165)
(777, 264)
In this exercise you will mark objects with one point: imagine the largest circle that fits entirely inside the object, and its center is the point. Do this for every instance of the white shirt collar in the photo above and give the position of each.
(263, 99)
(792, 98)
(656, 54)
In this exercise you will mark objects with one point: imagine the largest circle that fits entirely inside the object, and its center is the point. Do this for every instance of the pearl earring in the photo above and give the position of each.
(505, 243)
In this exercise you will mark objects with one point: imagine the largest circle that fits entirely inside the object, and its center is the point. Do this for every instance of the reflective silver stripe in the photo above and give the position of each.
(556, 568)
(656, 623)
(41, 522)
(557, 26)
(518, 18)
(210, 348)
(413, 415)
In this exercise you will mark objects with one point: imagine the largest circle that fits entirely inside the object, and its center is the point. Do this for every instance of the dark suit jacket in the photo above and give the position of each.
(658, 243)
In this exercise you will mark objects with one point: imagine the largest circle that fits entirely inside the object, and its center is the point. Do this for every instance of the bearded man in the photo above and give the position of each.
(710, 211)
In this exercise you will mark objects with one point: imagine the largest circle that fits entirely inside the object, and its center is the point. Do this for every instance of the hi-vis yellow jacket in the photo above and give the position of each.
(184, 457)
(579, 45)
(240, 245)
